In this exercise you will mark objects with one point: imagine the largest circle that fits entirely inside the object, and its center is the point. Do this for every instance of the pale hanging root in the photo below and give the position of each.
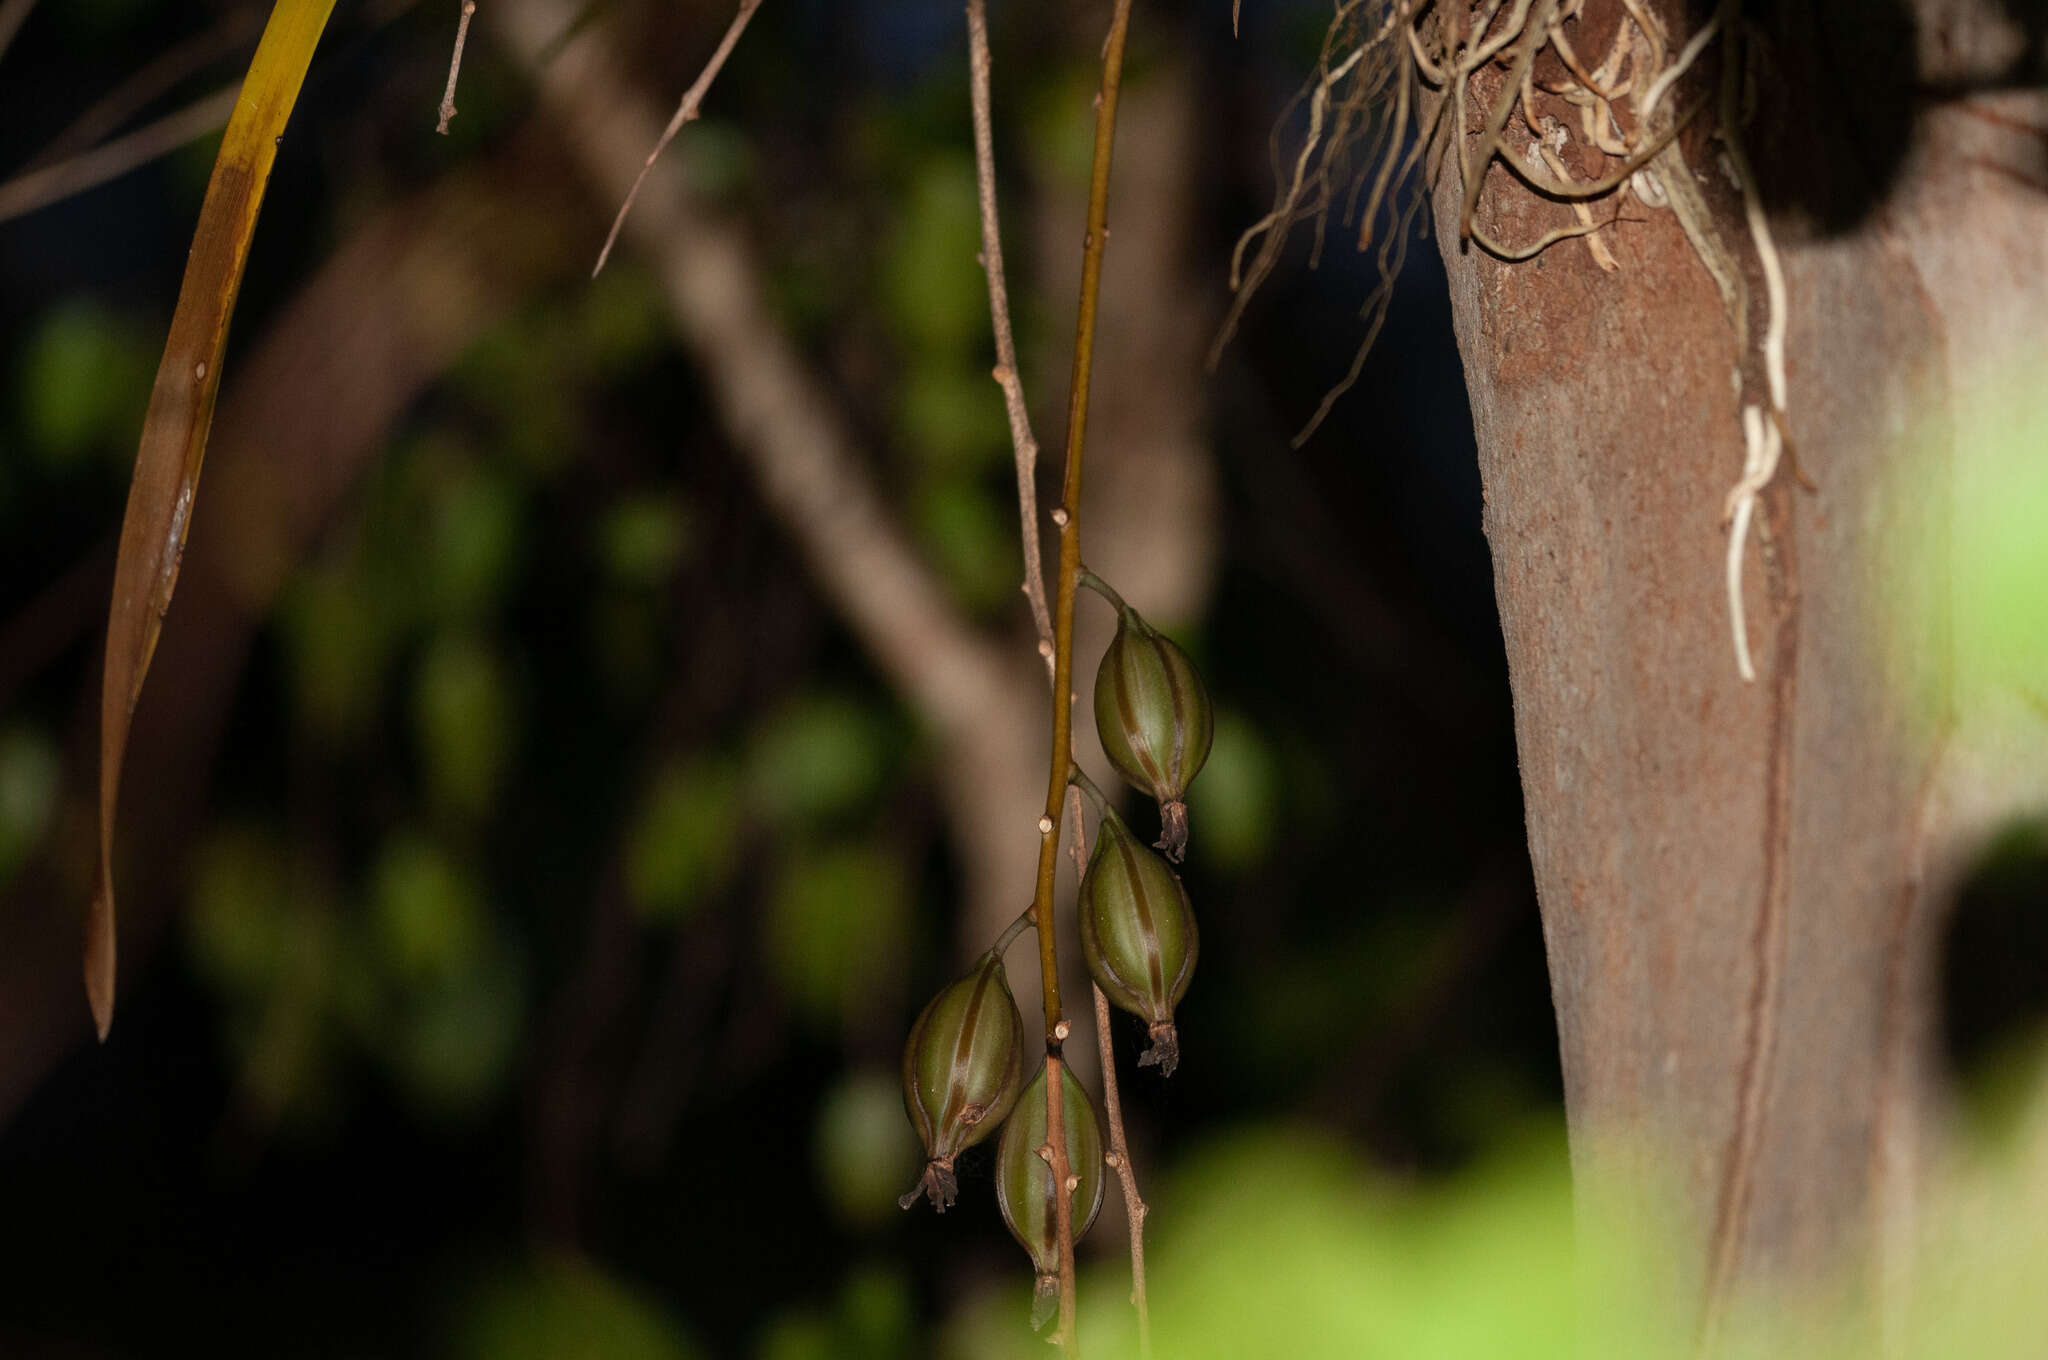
(1362, 107)
(1763, 439)
(1761, 446)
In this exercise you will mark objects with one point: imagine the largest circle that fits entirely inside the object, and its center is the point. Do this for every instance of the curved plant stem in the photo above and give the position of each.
(1025, 920)
(1103, 808)
(1061, 761)
(1104, 589)
(1056, 629)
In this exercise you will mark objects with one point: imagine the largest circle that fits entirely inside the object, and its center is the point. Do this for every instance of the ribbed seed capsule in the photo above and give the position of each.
(1138, 935)
(962, 1066)
(1152, 715)
(1024, 1179)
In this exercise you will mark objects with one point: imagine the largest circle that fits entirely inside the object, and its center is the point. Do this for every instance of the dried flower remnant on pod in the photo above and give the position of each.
(1138, 935)
(1152, 715)
(962, 1066)
(1024, 1187)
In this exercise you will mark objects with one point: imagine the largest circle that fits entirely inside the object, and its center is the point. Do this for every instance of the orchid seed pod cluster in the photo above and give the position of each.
(1152, 715)
(1024, 1187)
(1138, 935)
(962, 1066)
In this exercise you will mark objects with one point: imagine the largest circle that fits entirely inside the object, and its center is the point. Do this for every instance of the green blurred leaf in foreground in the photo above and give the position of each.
(564, 1309)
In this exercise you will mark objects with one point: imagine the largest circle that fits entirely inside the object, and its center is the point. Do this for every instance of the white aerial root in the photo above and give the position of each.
(1761, 446)
(1760, 449)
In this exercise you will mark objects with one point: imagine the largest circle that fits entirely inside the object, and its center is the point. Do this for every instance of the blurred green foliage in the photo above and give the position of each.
(837, 927)
(865, 1150)
(818, 758)
(874, 1317)
(85, 383)
(1237, 798)
(29, 774)
(685, 839)
(564, 1309)
(1967, 573)
(464, 719)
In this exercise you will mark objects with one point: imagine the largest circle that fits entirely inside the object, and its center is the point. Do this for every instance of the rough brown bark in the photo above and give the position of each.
(1741, 884)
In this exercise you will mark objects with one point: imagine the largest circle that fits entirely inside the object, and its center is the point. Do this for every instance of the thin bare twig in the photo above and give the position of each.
(181, 61)
(53, 183)
(693, 99)
(1022, 442)
(12, 13)
(1119, 1156)
(455, 67)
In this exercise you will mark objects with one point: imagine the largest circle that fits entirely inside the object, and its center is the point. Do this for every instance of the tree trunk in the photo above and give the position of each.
(1742, 884)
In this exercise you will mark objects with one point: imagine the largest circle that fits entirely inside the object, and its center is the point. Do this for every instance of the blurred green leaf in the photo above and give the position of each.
(515, 375)
(29, 772)
(626, 648)
(463, 718)
(933, 289)
(263, 931)
(819, 757)
(972, 541)
(564, 1309)
(2001, 547)
(800, 1336)
(644, 538)
(1279, 1243)
(472, 539)
(238, 924)
(837, 928)
(720, 161)
(460, 1033)
(1236, 799)
(622, 316)
(340, 640)
(874, 1318)
(951, 416)
(683, 841)
(429, 914)
(86, 378)
(866, 1150)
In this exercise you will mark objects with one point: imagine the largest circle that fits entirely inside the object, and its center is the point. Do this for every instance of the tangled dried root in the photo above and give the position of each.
(1387, 107)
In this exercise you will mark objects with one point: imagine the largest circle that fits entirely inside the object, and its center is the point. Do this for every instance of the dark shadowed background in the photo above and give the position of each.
(535, 851)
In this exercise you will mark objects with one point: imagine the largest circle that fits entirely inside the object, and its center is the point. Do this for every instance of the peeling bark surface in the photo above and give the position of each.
(1740, 883)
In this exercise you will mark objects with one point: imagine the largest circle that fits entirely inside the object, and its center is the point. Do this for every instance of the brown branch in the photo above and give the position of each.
(1069, 520)
(53, 183)
(1022, 442)
(693, 99)
(12, 14)
(236, 31)
(455, 67)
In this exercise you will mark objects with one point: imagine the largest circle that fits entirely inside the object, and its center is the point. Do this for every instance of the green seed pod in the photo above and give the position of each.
(961, 1068)
(1138, 935)
(1152, 716)
(1024, 1179)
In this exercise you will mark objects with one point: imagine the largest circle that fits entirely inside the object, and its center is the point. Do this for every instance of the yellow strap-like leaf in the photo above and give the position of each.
(174, 432)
